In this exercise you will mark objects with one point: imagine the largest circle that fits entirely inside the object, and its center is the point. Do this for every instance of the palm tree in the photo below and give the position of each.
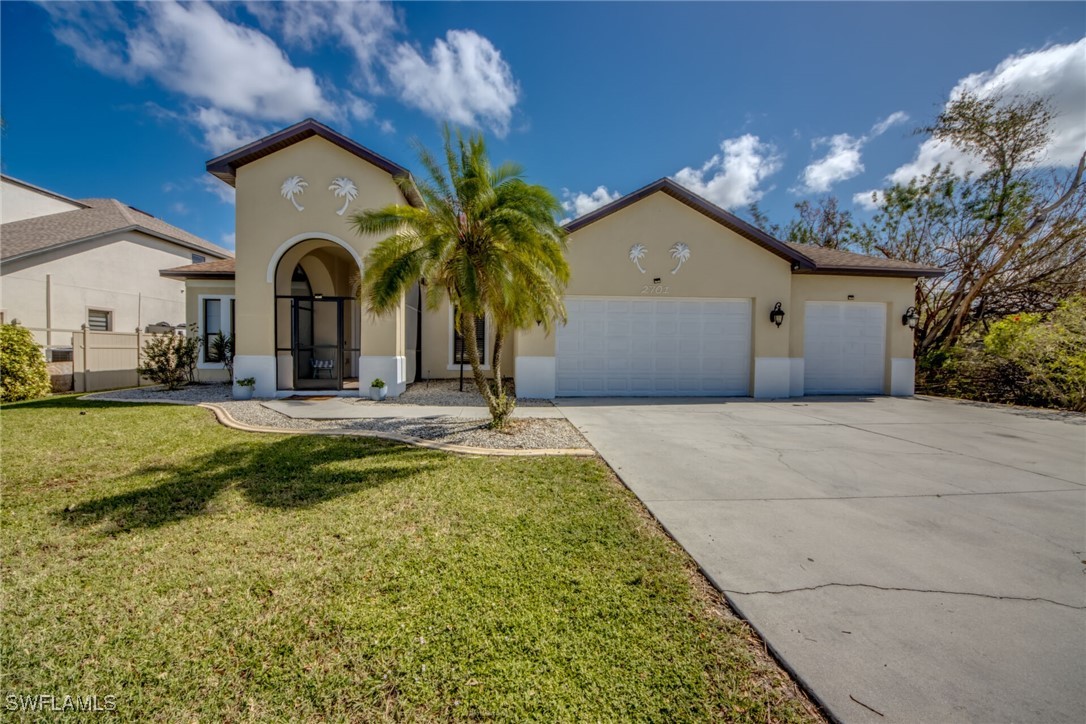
(681, 252)
(486, 240)
(637, 253)
(344, 187)
(294, 186)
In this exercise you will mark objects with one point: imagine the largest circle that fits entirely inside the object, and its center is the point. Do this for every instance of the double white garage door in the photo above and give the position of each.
(658, 347)
(646, 347)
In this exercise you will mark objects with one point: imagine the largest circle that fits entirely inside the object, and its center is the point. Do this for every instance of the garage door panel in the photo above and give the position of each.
(655, 347)
(844, 348)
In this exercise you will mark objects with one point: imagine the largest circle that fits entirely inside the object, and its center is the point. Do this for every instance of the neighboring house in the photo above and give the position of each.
(65, 263)
(669, 294)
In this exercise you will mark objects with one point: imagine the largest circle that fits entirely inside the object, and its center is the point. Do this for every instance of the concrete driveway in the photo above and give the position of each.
(922, 558)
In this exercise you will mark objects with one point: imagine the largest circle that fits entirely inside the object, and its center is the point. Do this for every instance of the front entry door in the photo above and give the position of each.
(317, 343)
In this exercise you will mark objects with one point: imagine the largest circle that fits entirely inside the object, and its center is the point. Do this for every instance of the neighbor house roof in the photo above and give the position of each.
(97, 218)
(225, 167)
(804, 258)
(40, 190)
(218, 269)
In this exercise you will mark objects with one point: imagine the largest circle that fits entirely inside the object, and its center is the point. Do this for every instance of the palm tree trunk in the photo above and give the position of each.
(498, 406)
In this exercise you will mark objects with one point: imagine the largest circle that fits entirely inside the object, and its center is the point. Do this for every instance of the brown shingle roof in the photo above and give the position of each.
(803, 258)
(830, 261)
(102, 216)
(218, 269)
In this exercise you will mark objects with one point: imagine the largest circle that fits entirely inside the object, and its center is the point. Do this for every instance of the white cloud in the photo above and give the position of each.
(222, 191)
(235, 78)
(841, 162)
(224, 131)
(365, 29)
(1054, 73)
(868, 200)
(465, 80)
(578, 204)
(192, 50)
(844, 158)
(229, 240)
(732, 178)
(386, 126)
(887, 123)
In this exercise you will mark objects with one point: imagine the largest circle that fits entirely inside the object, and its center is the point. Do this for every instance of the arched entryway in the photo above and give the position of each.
(318, 326)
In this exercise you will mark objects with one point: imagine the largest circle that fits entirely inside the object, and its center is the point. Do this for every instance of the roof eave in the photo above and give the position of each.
(119, 230)
(184, 276)
(927, 272)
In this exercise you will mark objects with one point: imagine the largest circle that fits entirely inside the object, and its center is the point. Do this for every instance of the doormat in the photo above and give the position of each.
(311, 398)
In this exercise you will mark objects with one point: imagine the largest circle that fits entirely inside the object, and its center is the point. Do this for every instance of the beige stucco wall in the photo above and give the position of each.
(265, 221)
(437, 338)
(17, 202)
(194, 290)
(897, 293)
(722, 264)
(118, 273)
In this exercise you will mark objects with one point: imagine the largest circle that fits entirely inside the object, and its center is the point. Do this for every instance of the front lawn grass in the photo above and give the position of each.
(195, 572)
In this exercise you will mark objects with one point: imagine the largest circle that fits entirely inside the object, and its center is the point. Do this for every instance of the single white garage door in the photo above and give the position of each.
(844, 348)
(646, 347)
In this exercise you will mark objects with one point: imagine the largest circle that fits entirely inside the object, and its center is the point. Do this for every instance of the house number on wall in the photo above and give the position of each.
(655, 290)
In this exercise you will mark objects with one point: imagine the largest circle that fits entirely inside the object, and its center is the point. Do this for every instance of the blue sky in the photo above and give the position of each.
(770, 102)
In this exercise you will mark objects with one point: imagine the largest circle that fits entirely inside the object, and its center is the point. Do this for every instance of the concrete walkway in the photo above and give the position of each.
(339, 409)
(920, 558)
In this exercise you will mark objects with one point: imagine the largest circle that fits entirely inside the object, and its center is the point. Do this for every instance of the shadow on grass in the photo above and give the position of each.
(294, 472)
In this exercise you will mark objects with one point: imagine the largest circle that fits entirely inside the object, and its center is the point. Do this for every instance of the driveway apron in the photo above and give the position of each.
(909, 559)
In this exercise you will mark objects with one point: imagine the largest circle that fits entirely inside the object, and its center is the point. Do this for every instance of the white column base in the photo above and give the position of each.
(393, 370)
(261, 367)
(535, 377)
(902, 376)
(795, 386)
(772, 377)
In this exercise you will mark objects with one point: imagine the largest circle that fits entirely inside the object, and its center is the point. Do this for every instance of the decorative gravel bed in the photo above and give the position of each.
(446, 393)
(522, 434)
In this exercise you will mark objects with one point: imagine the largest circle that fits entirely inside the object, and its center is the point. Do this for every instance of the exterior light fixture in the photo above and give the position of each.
(318, 296)
(911, 318)
(777, 315)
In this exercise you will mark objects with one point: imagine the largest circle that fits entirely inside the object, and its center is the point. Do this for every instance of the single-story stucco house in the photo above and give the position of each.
(669, 294)
(66, 263)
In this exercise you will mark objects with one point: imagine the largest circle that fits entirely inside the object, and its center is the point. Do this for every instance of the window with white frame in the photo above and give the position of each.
(459, 352)
(216, 315)
(99, 320)
(198, 258)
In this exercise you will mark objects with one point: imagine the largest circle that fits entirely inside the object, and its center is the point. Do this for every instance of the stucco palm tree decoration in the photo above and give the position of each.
(637, 253)
(486, 241)
(294, 186)
(345, 189)
(681, 252)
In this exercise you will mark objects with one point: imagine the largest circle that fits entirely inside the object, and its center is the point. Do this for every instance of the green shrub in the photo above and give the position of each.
(23, 375)
(1051, 349)
(170, 359)
(221, 349)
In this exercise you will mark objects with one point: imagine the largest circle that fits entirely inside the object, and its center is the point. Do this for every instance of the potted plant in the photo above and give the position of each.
(243, 388)
(378, 390)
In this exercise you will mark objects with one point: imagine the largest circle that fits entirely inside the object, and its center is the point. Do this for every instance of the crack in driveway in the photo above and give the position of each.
(906, 590)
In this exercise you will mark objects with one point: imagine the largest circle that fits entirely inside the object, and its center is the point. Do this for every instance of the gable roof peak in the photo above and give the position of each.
(225, 166)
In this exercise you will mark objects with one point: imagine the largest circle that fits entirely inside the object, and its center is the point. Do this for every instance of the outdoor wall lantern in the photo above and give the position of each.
(911, 318)
(777, 315)
(318, 296)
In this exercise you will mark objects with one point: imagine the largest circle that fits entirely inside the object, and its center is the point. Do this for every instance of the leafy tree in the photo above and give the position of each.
(170, 359)
(486, 240)
(23, 374)
(1050, 348)
(1011, 238)
(822, 223)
